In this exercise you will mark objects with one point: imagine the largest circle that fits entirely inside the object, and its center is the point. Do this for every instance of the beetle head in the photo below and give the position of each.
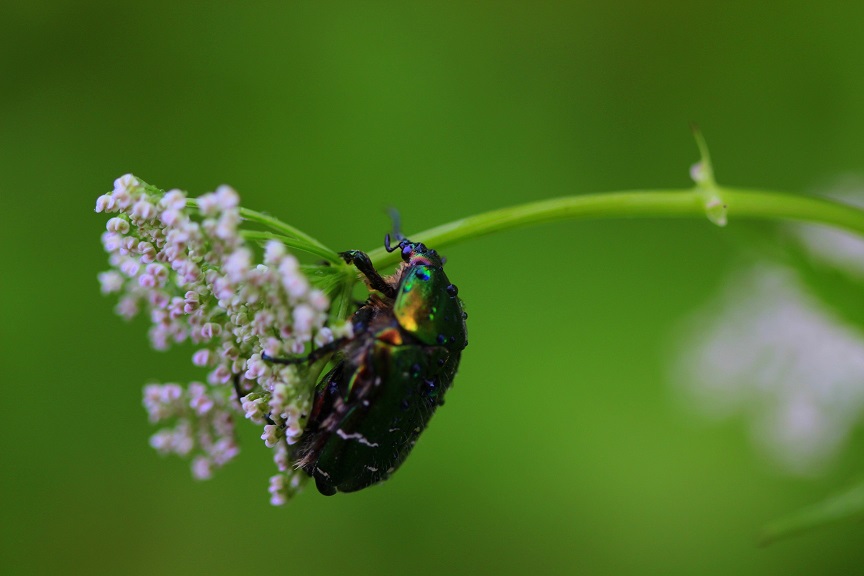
(414, 253)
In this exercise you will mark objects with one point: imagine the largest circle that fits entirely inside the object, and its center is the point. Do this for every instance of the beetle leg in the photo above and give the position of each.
(237, 389)
(364, 265)
(313, 356)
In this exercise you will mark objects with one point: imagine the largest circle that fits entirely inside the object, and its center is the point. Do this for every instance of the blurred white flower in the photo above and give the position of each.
(773, 352)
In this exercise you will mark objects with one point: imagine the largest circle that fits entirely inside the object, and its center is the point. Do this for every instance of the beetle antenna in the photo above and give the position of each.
(397, 225)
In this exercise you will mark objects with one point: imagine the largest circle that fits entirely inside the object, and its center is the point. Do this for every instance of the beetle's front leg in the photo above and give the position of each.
(313, 356)
(364, 265)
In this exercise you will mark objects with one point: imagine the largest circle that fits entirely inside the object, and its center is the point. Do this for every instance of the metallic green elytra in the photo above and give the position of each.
(388, 378)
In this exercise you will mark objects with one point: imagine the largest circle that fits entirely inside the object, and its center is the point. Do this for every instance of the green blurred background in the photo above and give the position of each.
(563, 447)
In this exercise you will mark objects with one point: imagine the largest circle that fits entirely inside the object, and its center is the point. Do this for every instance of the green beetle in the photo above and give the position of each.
(388, 378)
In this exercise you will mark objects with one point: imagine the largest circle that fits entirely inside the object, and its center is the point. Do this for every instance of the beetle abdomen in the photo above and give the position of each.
(374, 435)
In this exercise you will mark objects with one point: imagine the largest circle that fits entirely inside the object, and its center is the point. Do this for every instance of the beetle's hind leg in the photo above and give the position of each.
(364, 265)
(237, 390)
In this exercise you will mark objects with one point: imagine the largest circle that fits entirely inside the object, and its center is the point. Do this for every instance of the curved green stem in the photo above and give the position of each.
(739, 203)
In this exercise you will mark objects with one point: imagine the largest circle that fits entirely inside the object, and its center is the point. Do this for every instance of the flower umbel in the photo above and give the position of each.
(185, 263)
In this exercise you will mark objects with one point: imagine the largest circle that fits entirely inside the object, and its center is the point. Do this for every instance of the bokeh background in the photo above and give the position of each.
(564, 447)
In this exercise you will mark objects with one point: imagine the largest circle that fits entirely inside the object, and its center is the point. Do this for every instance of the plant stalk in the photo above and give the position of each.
(739, 203)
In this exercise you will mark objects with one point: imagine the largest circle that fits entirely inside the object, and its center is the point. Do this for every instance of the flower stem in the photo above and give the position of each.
(287, 234)
(740, 203)
(310, 244)
(295, 243)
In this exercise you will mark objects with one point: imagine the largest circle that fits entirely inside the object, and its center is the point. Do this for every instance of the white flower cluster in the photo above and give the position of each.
(193, 274)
